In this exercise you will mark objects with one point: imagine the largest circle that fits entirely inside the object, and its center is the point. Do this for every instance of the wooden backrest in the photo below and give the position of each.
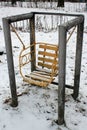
(48, 56)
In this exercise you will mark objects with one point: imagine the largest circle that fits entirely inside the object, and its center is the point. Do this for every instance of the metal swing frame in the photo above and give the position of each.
(77, 21)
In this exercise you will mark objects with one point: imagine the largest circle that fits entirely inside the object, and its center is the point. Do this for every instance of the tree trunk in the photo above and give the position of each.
(36, 3)
(13, 2)
(60, 3)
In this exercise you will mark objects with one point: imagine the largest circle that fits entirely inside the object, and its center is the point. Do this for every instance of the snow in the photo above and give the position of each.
(38, 108)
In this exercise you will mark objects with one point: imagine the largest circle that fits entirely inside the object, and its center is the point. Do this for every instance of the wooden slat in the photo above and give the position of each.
(45, 43)
(50, 47)
(47, 71)
(45, 65)
(47, 54)
(40, 78)
(41, 75)
(47, 60)
(36, 82)
(43, 72)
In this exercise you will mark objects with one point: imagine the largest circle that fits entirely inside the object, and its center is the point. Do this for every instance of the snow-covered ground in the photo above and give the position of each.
(38, 107)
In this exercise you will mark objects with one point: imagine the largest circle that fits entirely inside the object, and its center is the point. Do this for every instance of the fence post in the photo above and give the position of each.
(6, 27)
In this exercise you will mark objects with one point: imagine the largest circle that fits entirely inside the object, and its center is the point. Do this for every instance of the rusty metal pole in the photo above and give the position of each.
(7, 35)
(62, 74)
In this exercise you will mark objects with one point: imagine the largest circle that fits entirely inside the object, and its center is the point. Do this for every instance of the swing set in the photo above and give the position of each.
(46, 68)
(49, 61)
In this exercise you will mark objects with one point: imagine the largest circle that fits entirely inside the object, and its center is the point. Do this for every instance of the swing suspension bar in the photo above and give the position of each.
(71, 34)
(13, 28)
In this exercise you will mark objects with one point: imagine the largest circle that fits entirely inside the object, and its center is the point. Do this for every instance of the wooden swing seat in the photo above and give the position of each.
(46, 68)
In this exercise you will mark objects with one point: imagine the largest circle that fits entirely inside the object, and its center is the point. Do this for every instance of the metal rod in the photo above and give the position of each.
(20, 17)
(74, 22)
(13, 28)
(6, 28)
(63, 14)
(66, 86)
(62, 66)
(80, 28)
(71, 34)
(32, 41)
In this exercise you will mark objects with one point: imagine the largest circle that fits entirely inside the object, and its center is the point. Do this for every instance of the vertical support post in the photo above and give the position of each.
(62, 69)
(80, 28)
(32, 41)
(8, 45)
